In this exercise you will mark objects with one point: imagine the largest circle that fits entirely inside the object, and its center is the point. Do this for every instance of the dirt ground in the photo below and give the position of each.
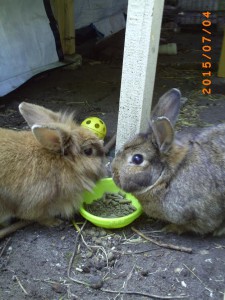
(115, 264)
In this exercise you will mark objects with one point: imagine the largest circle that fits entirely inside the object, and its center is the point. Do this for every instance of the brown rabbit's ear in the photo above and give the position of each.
(164, 134)
(35, 114)
(168, 106)
(53, 139)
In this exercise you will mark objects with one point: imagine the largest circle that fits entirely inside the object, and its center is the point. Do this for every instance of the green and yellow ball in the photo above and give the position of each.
(96, 125)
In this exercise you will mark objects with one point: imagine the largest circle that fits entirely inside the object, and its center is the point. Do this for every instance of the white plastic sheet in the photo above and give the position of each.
(27, 42)
(110, 25)
(91, 11)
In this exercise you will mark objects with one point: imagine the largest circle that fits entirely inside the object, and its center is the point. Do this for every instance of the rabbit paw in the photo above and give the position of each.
(219, 231)
(51, 222)
(178, 229)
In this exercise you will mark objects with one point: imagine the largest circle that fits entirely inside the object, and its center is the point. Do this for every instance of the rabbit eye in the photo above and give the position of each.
(88, 151)
(137, 159)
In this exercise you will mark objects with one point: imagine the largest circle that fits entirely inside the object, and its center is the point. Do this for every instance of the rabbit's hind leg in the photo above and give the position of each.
(220, 230)
(13, 227)
(50, 222)
(174, 228)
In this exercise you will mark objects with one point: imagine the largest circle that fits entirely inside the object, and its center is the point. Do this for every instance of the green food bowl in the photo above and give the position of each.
(107, 185)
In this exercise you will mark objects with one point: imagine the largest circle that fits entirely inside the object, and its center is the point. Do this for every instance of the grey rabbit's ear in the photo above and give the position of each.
(164, 134)
(168, 106)
(35, 114)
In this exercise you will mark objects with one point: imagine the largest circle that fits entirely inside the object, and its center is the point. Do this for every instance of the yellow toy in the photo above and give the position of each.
(96, 125)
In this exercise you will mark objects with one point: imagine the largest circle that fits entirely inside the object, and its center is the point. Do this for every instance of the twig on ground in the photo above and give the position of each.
(208, 289)
(92, 246)
(20, 284)
(3, 249)
(63, 282)
(75, 252)
(96, 247)
(218, 246)
(135, 252)
(12, 228)
(112, 291)
(125, 282)
(122, 291)
(76, 226)
(70, 294)
(193, 273)
(145, 294)
(164, 245)
(73, 256)
(128, 278)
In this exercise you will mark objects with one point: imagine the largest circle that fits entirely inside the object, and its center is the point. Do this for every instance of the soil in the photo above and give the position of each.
(35, 262)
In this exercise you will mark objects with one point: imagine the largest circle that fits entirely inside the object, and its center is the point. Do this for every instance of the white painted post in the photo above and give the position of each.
(143, 28)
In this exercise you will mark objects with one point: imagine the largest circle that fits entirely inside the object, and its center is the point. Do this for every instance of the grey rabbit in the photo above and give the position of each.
(178, 178)
(44, 171)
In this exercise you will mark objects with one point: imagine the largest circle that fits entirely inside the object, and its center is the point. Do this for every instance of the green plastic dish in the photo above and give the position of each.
(107, 185)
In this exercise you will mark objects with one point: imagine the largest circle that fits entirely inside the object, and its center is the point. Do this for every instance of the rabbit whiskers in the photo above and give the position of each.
(158, 181)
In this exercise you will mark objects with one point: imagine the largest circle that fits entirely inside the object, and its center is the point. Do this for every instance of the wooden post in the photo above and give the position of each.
(139, 65)
(221, 69)
(64, 13)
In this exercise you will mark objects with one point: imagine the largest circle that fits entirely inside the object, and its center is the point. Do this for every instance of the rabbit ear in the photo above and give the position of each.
(168, 106)
(53, 139)
(164, 134)
(35, 114)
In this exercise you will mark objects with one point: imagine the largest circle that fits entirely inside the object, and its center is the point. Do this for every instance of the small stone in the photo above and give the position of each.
(102, 232)
(95, 261)
(104, 244)
(117, 237)
(96, 233)
(183, 284)
(86, 269)
(144, 273)
(9, 250)
(98, 241)
(100, 265)
(95, 282)
(111, 256)
(178, 270)
(58, 288)
(111, 263)
(89, 254)
(185, 273)
(91, 232)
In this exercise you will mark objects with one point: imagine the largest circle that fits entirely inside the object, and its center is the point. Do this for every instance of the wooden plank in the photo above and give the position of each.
(221, 69)
(64, 13)
(139, 66)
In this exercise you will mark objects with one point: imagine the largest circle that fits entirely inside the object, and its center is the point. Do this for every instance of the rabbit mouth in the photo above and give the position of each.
(130, 185)
(138, 185)
(116, 179)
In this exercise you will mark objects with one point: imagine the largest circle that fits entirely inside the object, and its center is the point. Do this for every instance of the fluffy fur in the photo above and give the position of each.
(43, 172)
(181, 179)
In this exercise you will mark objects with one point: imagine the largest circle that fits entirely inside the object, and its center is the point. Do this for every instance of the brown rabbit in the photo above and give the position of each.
(178, 178)
(44, 172)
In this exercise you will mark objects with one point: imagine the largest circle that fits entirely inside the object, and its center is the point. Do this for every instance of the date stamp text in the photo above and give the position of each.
(206, 54)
